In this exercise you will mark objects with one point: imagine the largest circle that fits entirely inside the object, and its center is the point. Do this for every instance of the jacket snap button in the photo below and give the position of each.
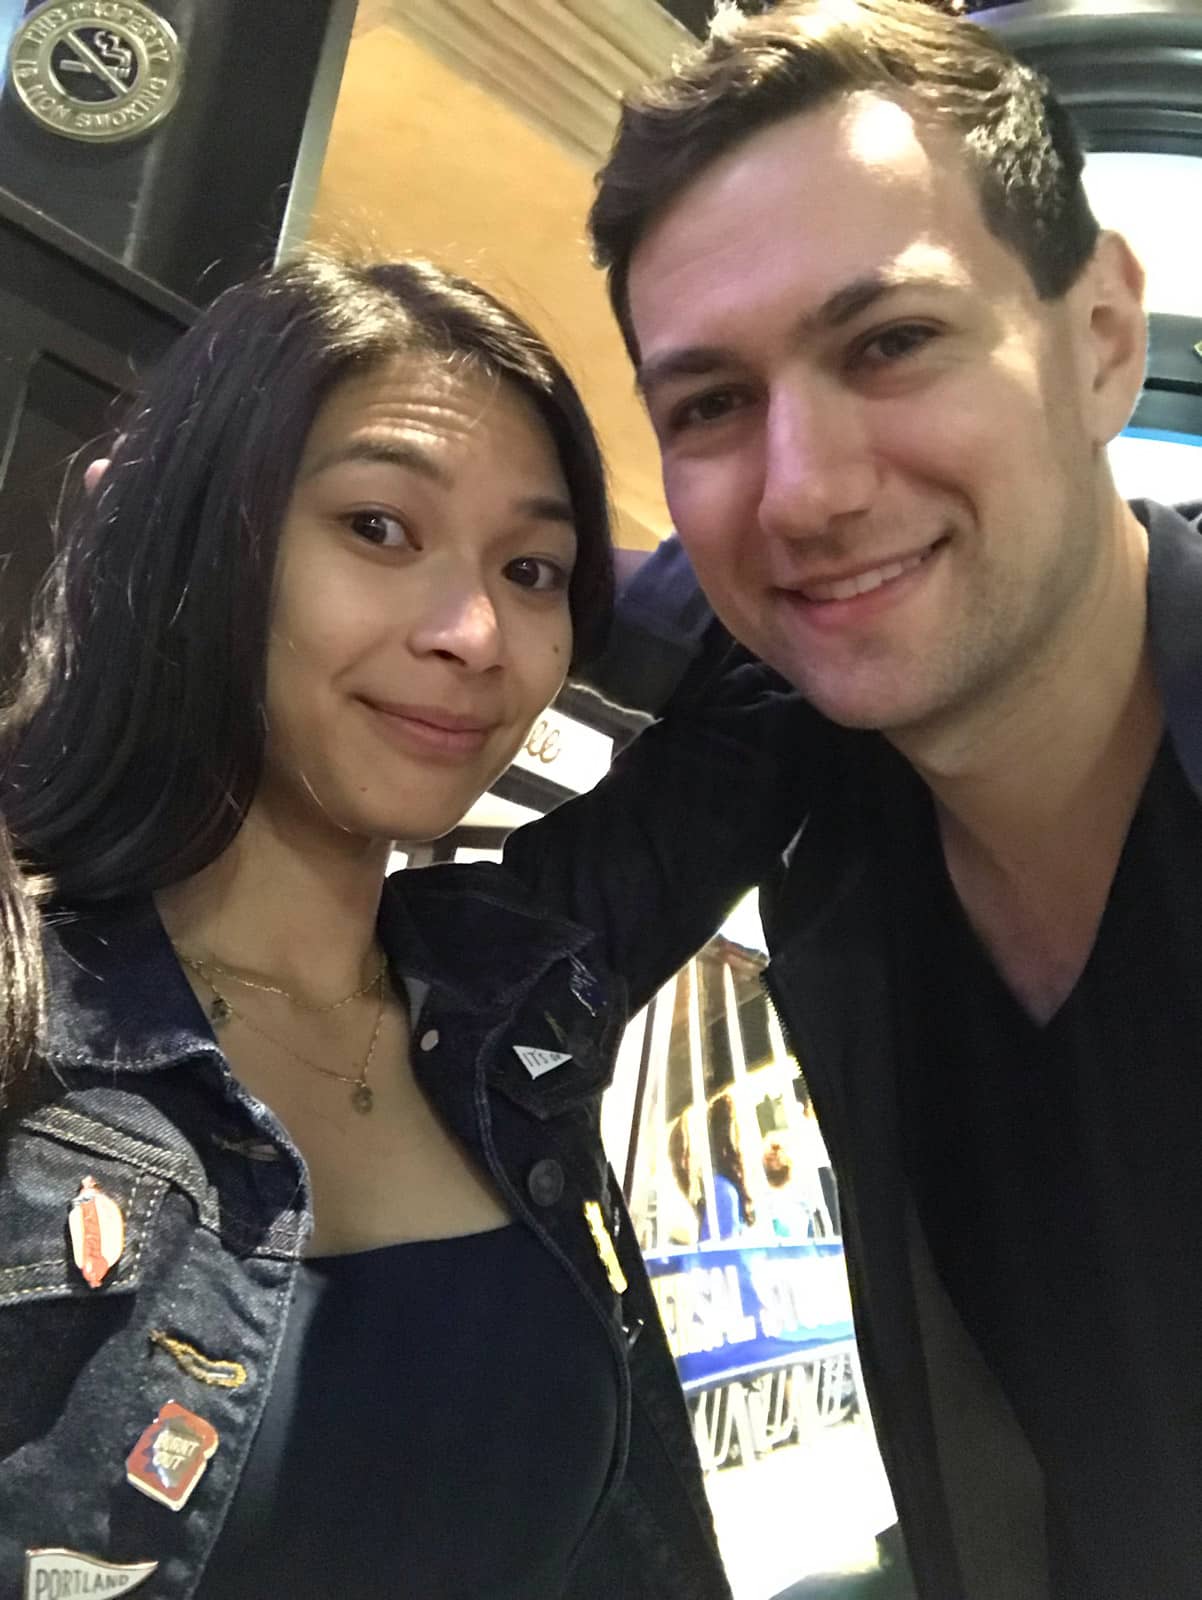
(429, 1039)
(545, 1182)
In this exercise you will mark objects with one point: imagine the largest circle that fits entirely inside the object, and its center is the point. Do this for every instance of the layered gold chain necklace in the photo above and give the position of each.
(222, 1010)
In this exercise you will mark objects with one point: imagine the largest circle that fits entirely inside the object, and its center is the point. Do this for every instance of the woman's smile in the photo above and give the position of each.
(431, 731)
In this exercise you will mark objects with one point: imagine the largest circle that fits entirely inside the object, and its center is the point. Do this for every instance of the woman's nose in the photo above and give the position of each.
(463, 627)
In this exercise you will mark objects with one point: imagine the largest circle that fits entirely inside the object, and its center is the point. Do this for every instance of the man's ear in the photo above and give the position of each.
(1116, 329)
(94, 474)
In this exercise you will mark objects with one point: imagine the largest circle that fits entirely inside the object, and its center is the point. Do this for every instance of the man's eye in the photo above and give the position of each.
(537, 572)
(703, 408)
(894, 344)
(382, 528)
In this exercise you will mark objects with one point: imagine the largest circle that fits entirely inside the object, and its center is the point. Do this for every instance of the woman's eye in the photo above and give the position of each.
(537, 572)
(381, 528)
(896, 343)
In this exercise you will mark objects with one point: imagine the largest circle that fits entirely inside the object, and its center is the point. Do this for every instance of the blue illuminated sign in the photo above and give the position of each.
(733, 1312)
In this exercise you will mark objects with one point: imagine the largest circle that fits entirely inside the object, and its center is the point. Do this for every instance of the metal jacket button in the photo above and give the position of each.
(545, 1182)
(429, 1039)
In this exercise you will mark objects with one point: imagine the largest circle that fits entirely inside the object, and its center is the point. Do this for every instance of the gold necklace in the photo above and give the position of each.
(204, 968)
(362, 1095)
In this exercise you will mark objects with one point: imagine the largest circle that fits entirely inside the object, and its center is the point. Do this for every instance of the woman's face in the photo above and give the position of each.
(421, 618)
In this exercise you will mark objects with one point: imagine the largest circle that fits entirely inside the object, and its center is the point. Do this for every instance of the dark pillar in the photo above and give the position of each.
(107, 245)
(196, 200)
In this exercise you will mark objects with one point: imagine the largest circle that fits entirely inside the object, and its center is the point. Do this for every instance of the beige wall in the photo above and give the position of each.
(424, 161)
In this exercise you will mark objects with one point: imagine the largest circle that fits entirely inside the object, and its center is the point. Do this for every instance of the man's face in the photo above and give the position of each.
(879, 446)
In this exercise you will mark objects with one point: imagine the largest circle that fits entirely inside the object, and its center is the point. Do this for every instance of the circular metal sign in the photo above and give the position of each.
(96, 70)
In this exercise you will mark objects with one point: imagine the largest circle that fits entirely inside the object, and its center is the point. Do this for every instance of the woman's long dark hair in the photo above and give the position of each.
(726, 1152)
(134, 743)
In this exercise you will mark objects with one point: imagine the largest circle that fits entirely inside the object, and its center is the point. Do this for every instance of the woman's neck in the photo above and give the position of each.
(288, 903)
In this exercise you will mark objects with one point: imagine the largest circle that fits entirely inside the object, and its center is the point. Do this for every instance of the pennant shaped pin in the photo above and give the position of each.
(97, 1229)
(169, 1459)
(536, 1062)
(71, 1573)
(61, 1572)
(606, 1251)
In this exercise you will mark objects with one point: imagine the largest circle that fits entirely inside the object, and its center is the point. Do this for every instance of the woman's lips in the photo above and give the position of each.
(429, 730)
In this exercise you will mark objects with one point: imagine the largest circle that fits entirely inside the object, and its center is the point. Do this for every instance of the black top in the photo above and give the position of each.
(441, 1423)
(1058, 1172)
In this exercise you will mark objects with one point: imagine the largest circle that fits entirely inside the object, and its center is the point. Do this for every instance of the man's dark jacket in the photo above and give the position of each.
(967, 1487)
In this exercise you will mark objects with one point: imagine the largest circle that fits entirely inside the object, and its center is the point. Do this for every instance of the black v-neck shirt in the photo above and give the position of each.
(1058, 1173)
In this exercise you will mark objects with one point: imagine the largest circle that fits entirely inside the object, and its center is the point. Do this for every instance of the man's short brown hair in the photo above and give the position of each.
(1019, 143)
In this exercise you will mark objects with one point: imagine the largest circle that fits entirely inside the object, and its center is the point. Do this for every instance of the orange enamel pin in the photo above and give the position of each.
(96, 1225)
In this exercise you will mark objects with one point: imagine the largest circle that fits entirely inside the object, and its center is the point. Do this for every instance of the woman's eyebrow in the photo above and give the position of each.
(546, 508)
(401, 453)
(411, 457)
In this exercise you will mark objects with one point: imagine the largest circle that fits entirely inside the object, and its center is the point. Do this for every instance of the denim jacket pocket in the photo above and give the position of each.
(546, 1090)
(41, 1173)
(559, 1052)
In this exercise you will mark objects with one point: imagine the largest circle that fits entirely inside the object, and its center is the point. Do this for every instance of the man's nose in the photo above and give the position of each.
(818, 462)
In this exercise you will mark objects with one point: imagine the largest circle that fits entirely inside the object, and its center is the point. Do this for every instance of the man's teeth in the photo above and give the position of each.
(863, 582)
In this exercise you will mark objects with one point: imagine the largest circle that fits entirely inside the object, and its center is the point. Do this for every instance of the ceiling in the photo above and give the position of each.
(468, 131)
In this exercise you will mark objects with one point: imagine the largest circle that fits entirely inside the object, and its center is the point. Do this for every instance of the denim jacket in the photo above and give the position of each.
(555, 948)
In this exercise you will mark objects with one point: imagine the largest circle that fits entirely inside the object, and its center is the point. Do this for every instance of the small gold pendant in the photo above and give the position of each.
(362, 1097)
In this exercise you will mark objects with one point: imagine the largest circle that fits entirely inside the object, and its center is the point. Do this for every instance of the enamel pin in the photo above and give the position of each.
(51, 1573)
(536, 1062)
(97, 1228)
(606, 1251)
(169, 1459)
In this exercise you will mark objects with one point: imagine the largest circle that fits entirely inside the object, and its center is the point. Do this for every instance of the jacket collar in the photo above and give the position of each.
(473, 932)
(1175, 624)
(117, 997)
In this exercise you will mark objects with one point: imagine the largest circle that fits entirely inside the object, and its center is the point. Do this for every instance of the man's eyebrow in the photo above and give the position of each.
(846, 303)
(411, 457)
(693, 361)
(855, 297)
